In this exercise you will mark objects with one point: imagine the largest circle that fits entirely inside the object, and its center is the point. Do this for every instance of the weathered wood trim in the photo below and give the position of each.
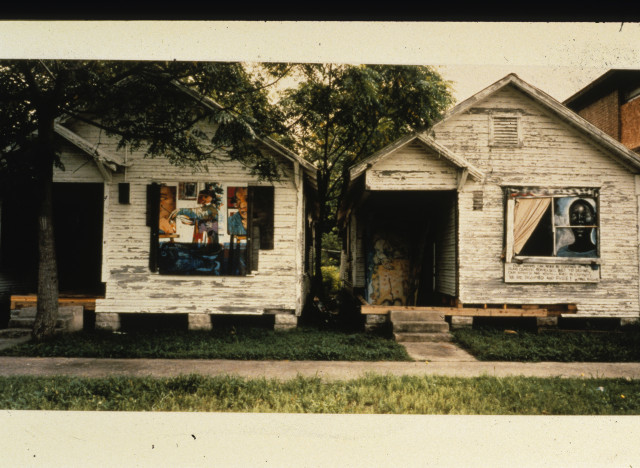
(106, 201)
(509, 234)
(456, 213)
(107, 159)
(106, 175)
(462, 179)
(300, 225)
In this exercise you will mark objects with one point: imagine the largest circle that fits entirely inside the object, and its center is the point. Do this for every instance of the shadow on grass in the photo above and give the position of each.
(229, 342)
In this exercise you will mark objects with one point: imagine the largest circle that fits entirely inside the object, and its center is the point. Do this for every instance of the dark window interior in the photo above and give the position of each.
(540, 244)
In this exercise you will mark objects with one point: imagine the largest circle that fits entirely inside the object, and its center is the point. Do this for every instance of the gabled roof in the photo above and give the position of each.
(427, 141)
(309, 168)
(621, 152)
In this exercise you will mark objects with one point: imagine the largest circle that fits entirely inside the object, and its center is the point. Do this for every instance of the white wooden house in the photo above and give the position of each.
(512, 204)
(145, 236)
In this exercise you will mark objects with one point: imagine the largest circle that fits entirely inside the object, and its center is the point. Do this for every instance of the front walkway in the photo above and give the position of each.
(329, 370)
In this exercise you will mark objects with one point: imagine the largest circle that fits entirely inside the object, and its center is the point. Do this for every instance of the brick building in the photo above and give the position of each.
(612, 103)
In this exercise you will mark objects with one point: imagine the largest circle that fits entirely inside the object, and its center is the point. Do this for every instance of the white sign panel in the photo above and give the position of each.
(550, 273)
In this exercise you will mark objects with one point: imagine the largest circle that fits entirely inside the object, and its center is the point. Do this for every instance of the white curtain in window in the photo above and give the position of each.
(527, 214)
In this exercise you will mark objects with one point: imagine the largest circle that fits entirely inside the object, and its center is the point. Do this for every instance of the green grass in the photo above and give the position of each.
(496, 345)
(371, 394)
(227, 343)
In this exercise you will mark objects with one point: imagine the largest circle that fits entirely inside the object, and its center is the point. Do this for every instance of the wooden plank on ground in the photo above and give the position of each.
(461, 311)
(21, 302)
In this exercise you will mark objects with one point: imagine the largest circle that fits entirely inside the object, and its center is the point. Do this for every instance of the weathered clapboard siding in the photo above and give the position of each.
(413, 167)
(131, 287)
(553, 154)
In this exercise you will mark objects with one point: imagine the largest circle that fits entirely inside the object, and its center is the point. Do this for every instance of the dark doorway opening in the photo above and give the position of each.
(410, 247)
(77, 221)
(77, 224)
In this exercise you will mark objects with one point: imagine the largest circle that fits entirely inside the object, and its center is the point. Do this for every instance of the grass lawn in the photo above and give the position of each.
(496, 345)
(371, 394)
(224, 343)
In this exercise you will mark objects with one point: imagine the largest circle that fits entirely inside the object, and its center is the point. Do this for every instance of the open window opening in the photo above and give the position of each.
(209, 228)
(548, 224)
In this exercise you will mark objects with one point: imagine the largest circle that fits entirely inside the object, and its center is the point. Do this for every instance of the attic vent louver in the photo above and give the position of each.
(505, 131)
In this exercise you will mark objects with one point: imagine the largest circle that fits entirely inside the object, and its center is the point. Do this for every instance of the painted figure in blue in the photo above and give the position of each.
(204, 218)
(581, 213)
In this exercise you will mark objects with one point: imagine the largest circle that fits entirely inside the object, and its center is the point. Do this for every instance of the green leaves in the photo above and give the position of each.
(340, 114)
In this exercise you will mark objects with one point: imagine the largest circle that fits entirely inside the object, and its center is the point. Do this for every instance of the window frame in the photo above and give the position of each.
(512, 193)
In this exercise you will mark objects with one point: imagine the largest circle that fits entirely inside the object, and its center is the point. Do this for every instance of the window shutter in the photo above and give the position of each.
(262, 200)
(153, 213)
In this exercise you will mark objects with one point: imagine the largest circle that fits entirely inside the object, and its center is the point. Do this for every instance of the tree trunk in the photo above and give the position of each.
(47, 308)
(316, 287)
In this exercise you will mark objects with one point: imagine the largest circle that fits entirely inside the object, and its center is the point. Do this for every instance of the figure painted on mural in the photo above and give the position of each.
(389, 267)
(581, 213)
(238, 221)
(204, 218)
(167, 206)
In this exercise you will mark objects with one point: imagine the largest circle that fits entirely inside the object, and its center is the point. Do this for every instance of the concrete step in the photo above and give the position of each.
(421, 327)
(70, 318)
(11, 333)
(422, 337)
(22, 322)
(415, 315)
(27, 312)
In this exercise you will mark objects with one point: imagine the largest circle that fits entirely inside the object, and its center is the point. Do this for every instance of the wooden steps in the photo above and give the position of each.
(414, 326)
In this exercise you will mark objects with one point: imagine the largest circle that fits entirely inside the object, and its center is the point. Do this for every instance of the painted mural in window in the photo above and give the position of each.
(192, 239)
(554, 222)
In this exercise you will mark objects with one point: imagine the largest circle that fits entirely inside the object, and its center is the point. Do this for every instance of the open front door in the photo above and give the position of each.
(410, 248)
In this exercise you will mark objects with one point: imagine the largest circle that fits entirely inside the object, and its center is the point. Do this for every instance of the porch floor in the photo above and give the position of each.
(87, 301)
(504, 311)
